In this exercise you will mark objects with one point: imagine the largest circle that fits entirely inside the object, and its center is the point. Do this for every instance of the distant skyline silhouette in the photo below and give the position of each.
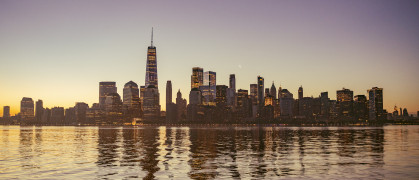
(59, 51)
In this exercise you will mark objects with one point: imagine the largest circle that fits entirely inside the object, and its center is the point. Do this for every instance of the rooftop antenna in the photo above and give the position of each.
(151, 36)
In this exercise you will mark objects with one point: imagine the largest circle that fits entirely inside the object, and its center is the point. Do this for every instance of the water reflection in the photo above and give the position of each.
(206, 152)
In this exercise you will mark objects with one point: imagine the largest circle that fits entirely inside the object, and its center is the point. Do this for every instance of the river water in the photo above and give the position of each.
(160, 152)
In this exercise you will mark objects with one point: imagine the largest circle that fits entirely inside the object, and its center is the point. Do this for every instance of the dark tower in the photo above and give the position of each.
(300, 92)
(151, 69)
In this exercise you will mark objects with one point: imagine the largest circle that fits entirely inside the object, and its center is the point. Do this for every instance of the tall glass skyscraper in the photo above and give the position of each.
(151, 98)
(151, 68)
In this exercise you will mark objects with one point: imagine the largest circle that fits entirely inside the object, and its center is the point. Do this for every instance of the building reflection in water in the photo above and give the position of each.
(237, 152)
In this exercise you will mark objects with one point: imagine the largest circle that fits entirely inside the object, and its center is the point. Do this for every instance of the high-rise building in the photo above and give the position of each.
(254, 93)
(231, 92)
(375, 106)
(26, 109)
(243, 104)
(345, 98)
(195, 97)
(57, 115)
(267, 92)
(113, 108)
(197, 77)
(221, 95)
(80, 112)
(300, 92)
(168, 93)
(324, 104)
(361, 107)
(181, 106)
(39, 111)
(131, 103)
(273, 91)
(142, 90)
(70, 115)
(286, 101)
(6, 111)
(233, 81)
(261, 87)
(151, 68)
(105, 88)
(209, 88)
(151, 105)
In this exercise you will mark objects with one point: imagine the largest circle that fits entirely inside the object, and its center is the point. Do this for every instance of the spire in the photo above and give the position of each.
(151, 36)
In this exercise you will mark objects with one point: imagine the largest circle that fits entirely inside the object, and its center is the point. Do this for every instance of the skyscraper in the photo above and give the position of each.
(151, 68)
(26, 109)
(345, 98)
(151, 100)
(221, 95)
(105, 88)
(261, 87)
(80, 112)
(168, 93)
(300, 92)
(113, 107)
(39, 111)
(233, 81)
(231, 92)
(181, 106)
(376, 104)
(209, 88)
(361, 107)
(197, 77)
(254, 93)
(6, 111)
(273, 91)
(131, 99)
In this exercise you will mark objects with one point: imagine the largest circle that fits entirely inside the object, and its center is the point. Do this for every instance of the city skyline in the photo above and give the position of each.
(50, 80)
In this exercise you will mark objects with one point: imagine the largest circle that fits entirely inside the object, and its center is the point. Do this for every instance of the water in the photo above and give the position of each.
(59, 152)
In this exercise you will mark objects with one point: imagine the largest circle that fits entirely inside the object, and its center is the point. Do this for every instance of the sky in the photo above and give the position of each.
(59, 51)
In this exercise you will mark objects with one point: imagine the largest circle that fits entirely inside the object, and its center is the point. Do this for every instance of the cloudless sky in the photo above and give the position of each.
(59, 51)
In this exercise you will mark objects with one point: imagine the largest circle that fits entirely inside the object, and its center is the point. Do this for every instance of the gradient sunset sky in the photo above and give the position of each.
(59, 51)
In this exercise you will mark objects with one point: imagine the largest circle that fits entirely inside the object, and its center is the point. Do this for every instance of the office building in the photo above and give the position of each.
(181, 106)
(361, 107)
(113, 108)
(39, 110)
(254, 93)
(80, 110)
(260, 95)
(197, 77)
(6, 111)
(344, 102)
(209, 88)
(168, 93)
(131, 97)
(221, 95)
(300, 92)
(273, 91)
(105, 88)
(286, 101)
(375, 105)
(26, 109)
(57, 115)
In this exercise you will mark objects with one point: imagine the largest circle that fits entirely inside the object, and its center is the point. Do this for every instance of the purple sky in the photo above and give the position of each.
(58, 51)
